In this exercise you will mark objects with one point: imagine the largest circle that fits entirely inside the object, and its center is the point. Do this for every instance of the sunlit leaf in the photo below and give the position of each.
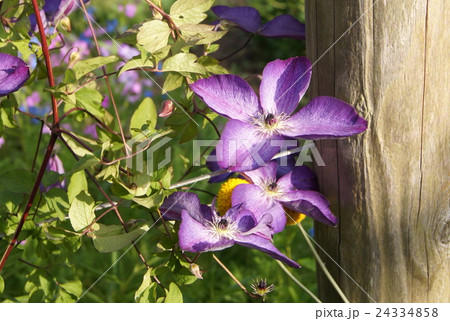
(84, 67)
(174, 294)
(153, 35)
(184, 63)
(189, 11)
(113, 243)
(81, 212)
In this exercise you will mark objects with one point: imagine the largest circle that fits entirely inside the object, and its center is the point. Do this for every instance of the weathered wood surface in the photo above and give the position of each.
(390, 186)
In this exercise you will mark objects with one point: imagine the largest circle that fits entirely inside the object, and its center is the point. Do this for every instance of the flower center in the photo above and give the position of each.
(269, 124)
(223, 223)
(270, 120)
(221, 227)
(272, 190)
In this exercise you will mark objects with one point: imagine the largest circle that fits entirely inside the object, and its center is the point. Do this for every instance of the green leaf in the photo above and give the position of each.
(184, 63)
(145, 114)
(7, 110)
(201, 34)
(153, 35)
(184, 277)
(152, 201)
(172, 82)
(87, 159)
(84, 67)
(107, 230)
(190, 131)
(91, 100)
(2, 284)
(73, 287)
(78, 183)
(129, 36)
(136, 62)
(212, 65)
(56, 202)
(81, 211)
(146, 283)
(105, 244)
(189, 11)
(46, 285)
(174, 294)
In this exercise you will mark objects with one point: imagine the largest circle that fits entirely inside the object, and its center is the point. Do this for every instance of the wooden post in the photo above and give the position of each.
(389, 186)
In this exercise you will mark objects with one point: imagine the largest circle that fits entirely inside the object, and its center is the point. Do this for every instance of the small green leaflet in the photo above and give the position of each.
(153, 35)
(81, 211)
(189, 11)
(105, 242)
(84, 67)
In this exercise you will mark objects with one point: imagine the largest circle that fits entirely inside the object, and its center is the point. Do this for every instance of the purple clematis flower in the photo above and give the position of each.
(256, 128)
(295, 190)
(203, 230)
(2, 142)
(55, 10)
(248, 19)
(14, 72)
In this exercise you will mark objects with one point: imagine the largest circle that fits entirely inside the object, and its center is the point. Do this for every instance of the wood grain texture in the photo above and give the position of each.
(389, 186)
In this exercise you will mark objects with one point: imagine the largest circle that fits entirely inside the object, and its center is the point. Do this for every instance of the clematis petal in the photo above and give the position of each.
(177, 202)
(313, 204)
(242, 148)
(264, 227)
(195, 237)
(246, 18)
(325, 117)
(57, 9)
(264, 174)
(285, 184)
(285, 165)
(284, 26)
(253, 199)
(14, 72)
(303, 178)
(246, 220)
(283, 84)
(264, 245)
(228, 95)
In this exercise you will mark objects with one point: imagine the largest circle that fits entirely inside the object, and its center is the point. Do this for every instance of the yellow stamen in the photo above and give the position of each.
(224, 195)
(292, 217)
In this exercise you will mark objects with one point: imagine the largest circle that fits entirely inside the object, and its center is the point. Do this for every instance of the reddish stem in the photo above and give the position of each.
(50, 146)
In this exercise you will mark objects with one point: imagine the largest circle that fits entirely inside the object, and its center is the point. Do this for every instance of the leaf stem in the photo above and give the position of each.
(233, 277)
(239, 49)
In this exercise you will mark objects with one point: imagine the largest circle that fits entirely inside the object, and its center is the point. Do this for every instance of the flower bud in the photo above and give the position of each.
(167, 108)
(195, 269)
(66, 25)
(73, 58)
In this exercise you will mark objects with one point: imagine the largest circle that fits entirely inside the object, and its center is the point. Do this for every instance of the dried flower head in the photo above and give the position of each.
(261, 288)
